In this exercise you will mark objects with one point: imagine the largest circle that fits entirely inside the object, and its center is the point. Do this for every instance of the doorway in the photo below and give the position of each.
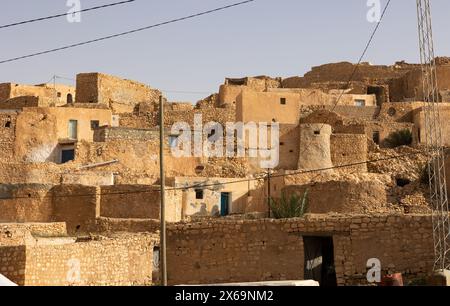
(319, 260)
(224, 204)
(379, 92)
(67, 155)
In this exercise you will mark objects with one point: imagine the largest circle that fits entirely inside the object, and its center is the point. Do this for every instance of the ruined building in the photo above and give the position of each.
(79, 179)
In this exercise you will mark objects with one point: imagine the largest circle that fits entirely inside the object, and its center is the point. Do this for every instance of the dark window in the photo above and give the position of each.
(59, 95)
(95, 124)
(211, 133)
(316, 132)
(199, 169)
(69, 98)
(392, 112)
(376, 137)
(199, 194)
(281, 143)
(283, 101)
(67, 156)
(8, 124)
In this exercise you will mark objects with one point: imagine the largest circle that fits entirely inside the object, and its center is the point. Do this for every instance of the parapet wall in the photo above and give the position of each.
(81, 206)
(104, 134)
(47, 257)
(270, 250)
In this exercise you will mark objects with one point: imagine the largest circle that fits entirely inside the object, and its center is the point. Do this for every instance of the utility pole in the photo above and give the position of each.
(436, 162)
(163, 264)
(269, 194)
(55, 94)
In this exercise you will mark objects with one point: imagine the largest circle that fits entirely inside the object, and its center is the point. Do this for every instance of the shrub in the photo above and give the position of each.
(292, 206)
(399, 138)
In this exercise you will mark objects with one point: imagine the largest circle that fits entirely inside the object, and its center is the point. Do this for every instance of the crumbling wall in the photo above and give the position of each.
(21, 102)
(7, 135)
(410, 86)
(5, 91)
(121, 96)
(271, 250)
(38, 141)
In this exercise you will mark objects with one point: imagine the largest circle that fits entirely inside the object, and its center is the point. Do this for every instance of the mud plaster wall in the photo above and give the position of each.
(45, 92)
(210, 204)
(243, 251)
(315, 149)
(25, 203)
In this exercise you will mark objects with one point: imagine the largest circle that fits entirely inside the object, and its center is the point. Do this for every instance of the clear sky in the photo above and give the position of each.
(270, 37)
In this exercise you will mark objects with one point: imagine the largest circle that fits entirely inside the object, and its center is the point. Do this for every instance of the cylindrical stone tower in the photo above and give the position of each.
(315, 146)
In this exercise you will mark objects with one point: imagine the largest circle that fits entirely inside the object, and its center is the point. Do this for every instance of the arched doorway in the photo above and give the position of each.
(69, 98)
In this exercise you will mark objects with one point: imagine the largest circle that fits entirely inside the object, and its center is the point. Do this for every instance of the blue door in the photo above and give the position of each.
(225, 204)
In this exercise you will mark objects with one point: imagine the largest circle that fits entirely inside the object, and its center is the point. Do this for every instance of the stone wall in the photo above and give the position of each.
(349, 149)
(7, 134)
(245, 251)
(105, 133)
(124, 261)
(43, 255)
(121, 96)
(138, 202)
(342, 196)
(78, 206)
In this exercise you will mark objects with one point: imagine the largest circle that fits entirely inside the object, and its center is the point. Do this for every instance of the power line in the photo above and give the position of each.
(360, 59)
(65, 14)
(200, 185)
(126, 33)
(188, 92)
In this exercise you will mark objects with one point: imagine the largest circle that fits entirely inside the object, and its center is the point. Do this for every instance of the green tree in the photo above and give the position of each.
(399, 138)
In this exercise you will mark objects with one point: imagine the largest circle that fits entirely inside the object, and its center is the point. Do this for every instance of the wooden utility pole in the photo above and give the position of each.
(269, 194)
(163, 264)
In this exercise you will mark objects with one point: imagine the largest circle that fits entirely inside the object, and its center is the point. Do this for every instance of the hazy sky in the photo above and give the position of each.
(271, 37)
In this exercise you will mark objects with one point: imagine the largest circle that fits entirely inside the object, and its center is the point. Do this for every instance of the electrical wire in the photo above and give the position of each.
(201, 185)
(125, 33)
(65, 14)
(372, 36)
